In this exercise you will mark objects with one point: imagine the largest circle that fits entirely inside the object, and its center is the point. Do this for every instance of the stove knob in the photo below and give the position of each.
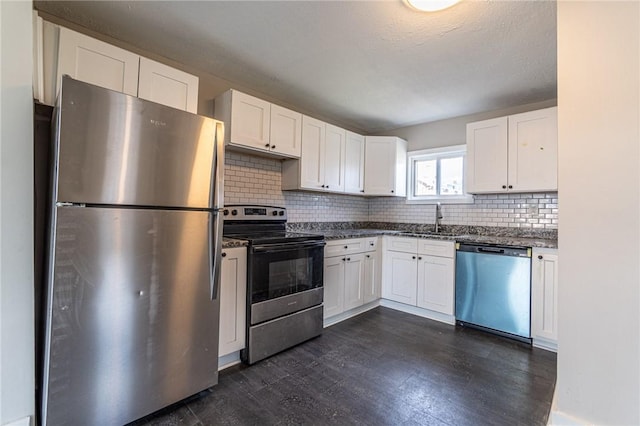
(281, 213)
(274, 213)
(225, 212)
(234, 212)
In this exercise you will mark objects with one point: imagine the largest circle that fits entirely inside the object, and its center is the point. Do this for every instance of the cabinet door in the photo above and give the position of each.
(286, 131)
(372, 279)
(436, 284)
(354, 276)
(533, 150)
(380, 165)
(354, 163)
(486, 168)
(312, 155)
(168, 86)
(93, 61)
(333, 286)
(400, 282)
(334, 152)
(250, 121)
(233, 294)
(544, 297)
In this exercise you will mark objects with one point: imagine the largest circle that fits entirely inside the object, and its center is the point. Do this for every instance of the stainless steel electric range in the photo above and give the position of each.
(284, 279)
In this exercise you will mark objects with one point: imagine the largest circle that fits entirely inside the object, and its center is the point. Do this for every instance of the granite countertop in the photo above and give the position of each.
(232, 243)
(508, 240)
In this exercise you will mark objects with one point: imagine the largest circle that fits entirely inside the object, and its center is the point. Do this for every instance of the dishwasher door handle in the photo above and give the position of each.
(490, 250)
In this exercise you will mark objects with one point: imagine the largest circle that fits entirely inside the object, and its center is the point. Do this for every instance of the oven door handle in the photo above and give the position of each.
(280, 247)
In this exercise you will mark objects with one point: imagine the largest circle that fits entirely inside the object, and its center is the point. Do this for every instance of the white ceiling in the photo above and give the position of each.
(372, 65)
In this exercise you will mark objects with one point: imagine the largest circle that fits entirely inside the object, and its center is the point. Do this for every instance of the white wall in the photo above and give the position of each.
(16, 213)
(599, 322)
(453, 131)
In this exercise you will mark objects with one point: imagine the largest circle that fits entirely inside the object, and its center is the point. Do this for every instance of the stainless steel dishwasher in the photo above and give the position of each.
(493, 289)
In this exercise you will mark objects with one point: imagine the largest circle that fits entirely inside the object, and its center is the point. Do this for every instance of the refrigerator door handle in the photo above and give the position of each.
(216, 252)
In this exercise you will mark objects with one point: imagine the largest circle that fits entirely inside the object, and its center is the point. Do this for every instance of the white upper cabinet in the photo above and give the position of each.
(286, 131)
(84, 58)
(96, 62)
(513, 154)
(533, 151)
(354, 163)
(385, 171)
(168, 86)
(259, 126)
(321, 166)
(334, 153)
(487, 155)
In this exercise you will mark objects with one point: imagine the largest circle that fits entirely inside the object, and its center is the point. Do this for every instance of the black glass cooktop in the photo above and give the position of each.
(273, 236)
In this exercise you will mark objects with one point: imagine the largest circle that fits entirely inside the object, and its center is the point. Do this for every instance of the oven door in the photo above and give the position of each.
(283, 269)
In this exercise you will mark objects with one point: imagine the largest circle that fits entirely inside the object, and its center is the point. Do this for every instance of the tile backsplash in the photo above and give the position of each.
(252, 179)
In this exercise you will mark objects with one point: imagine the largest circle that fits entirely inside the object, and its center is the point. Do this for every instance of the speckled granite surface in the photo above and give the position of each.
(232, 243)
(463, 234)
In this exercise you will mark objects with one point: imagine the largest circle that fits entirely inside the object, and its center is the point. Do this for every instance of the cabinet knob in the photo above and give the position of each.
(273, 147)
(346, 247)
(371, 243)
(327, 186)
(348, 259)
(504, 186)
(392, 191)
(267, 145)
(413, 257)
(344, 258)
(540, 257)
(510, 186)
(362, 190)
(368, 256)
(419, 257)
(224, 254)
(321, 186)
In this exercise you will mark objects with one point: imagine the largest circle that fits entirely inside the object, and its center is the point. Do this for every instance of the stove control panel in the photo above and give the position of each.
(252, 212)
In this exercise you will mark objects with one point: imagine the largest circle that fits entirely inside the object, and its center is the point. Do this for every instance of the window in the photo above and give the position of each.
(437, 175)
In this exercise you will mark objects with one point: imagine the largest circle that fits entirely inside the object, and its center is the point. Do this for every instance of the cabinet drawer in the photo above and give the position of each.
(436, 248)
(405, 244)
(356, 245)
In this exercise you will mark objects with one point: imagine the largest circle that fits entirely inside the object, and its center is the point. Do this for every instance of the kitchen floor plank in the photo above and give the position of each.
(383, 367)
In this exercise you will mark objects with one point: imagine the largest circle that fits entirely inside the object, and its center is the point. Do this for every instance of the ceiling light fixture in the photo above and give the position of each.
(430, 5)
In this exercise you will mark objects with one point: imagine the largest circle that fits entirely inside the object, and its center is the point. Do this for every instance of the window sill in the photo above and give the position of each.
(449, 200)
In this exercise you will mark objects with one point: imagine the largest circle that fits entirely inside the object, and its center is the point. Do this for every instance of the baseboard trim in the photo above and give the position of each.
(558, 418)
(414, 310)
(228, 360)
(26, 421)
(544, 344)
(328, 322)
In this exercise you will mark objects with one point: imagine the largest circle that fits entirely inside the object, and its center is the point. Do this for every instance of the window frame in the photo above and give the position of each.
(436, 154)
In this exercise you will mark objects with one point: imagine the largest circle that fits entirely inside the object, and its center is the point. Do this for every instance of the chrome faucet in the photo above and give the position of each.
(438, 216)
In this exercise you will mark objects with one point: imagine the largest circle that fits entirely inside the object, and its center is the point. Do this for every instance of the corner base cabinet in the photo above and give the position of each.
(351, 275)
(544, 298)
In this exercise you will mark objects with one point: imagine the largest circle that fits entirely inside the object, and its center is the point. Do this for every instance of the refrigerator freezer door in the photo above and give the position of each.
(131, 326)
(112, 148)
(494, 291)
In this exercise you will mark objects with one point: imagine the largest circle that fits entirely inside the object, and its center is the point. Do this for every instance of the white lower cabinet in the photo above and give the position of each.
(420, 273)
(233, 299)
(544, 298)
(333, 286)
(401, 277)
(436, 283)
(351, 275)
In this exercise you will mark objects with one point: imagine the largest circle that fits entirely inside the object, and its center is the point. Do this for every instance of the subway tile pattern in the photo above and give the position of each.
(257, 180)
(251, 179)
(526, 211)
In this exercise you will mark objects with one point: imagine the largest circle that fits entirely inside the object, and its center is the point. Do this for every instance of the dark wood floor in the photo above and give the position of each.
(383, 367)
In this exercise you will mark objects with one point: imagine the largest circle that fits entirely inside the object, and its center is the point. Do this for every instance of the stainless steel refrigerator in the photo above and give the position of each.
(132, 306)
